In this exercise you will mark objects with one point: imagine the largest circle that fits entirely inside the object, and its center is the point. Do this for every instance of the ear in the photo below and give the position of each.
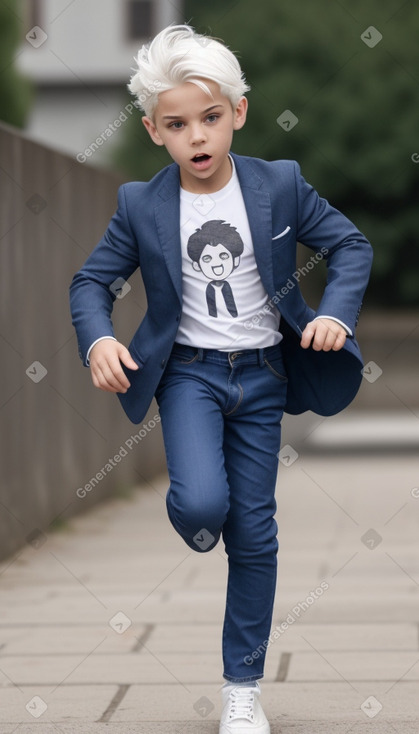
(195, 265)
(152, 130)
(236, 261)
(240, 113)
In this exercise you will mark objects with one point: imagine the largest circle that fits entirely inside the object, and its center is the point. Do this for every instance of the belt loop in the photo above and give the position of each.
(260, 357)
(200, 354)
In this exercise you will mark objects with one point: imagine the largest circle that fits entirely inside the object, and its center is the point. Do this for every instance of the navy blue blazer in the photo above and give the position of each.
(282, 209)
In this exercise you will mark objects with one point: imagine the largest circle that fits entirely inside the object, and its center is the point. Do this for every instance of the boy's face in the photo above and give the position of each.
(216, 262)
(189, 122)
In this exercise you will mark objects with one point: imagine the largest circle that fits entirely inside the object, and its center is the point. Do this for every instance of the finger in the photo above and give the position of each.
(119, 377)
(126, 358)
(307, 335)
(112, 377)
(329, 340)
(340, 341)
(104, 382)
(320, 336)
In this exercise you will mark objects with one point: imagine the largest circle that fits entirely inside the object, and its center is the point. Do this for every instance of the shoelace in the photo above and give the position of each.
(242, 700)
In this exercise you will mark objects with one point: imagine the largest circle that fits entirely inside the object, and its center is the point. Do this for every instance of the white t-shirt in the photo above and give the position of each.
(223, 295)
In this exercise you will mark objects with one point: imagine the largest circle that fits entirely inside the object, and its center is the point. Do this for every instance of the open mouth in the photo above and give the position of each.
(218, 269)
(200, 157)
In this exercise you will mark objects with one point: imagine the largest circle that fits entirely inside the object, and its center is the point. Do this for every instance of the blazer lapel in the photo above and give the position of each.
(259, 213)
(167, 215)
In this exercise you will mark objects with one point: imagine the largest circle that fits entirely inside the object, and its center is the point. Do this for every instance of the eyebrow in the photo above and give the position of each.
(176, 117)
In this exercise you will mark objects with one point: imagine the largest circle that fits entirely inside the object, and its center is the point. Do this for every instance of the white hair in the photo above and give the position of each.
(177, 55)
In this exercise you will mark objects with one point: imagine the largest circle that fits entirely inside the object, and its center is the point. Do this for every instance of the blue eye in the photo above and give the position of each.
(177, 122)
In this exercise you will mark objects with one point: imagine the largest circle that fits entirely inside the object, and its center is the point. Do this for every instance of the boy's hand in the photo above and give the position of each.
(105, 365)
(323, 334)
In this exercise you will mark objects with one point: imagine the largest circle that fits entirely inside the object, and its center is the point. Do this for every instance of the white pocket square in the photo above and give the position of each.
(282, 234)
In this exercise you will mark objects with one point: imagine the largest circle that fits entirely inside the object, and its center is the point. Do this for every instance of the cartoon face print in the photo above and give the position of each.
(215, 250)
(216, 263)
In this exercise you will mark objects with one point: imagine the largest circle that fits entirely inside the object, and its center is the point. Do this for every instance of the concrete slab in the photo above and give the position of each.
(47, 706)
(175, 638)
(334, 665)
(124, 557)
(64, 640)
(346, 637)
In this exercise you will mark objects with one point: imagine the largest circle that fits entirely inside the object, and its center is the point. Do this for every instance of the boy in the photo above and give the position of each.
(227, 343)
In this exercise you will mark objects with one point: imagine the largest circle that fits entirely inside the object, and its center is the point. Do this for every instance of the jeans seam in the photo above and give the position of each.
(274, 372)
(237, 405)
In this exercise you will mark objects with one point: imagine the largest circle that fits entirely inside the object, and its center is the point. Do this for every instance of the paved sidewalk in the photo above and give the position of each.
(114, 625)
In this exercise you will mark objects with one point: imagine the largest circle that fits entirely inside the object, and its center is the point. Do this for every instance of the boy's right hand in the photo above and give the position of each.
(105, 365)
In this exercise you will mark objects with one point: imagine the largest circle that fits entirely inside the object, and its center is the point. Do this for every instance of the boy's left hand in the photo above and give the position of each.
(323, 334)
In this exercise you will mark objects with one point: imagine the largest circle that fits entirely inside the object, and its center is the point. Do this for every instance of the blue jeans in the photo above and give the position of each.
(221, 417)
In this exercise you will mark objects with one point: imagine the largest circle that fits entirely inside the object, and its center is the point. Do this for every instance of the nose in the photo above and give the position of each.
(196, 133)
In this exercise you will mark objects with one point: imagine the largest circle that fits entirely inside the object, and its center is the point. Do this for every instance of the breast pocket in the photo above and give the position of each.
(282, 234)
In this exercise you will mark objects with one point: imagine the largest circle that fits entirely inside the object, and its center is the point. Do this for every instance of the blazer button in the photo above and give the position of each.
(178, 318)
(163, 363)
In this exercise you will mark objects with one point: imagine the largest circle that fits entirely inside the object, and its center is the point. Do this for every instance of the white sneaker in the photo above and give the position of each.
(242, 712)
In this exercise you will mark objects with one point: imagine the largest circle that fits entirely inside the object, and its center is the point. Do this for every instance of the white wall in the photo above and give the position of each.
(87, 40)
(81, 71)
(69, 120)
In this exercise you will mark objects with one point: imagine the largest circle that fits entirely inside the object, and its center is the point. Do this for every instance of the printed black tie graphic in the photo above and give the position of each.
(227, 292)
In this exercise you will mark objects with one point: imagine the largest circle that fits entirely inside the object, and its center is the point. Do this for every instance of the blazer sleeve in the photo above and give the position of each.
(95, 286)
(347, 252)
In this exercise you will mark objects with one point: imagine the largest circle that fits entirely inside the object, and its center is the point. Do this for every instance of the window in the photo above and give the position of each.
(139, 19)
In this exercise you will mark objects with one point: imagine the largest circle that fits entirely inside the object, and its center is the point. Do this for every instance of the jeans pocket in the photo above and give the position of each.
(189, 360)
(183, 359)
(276, 366)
